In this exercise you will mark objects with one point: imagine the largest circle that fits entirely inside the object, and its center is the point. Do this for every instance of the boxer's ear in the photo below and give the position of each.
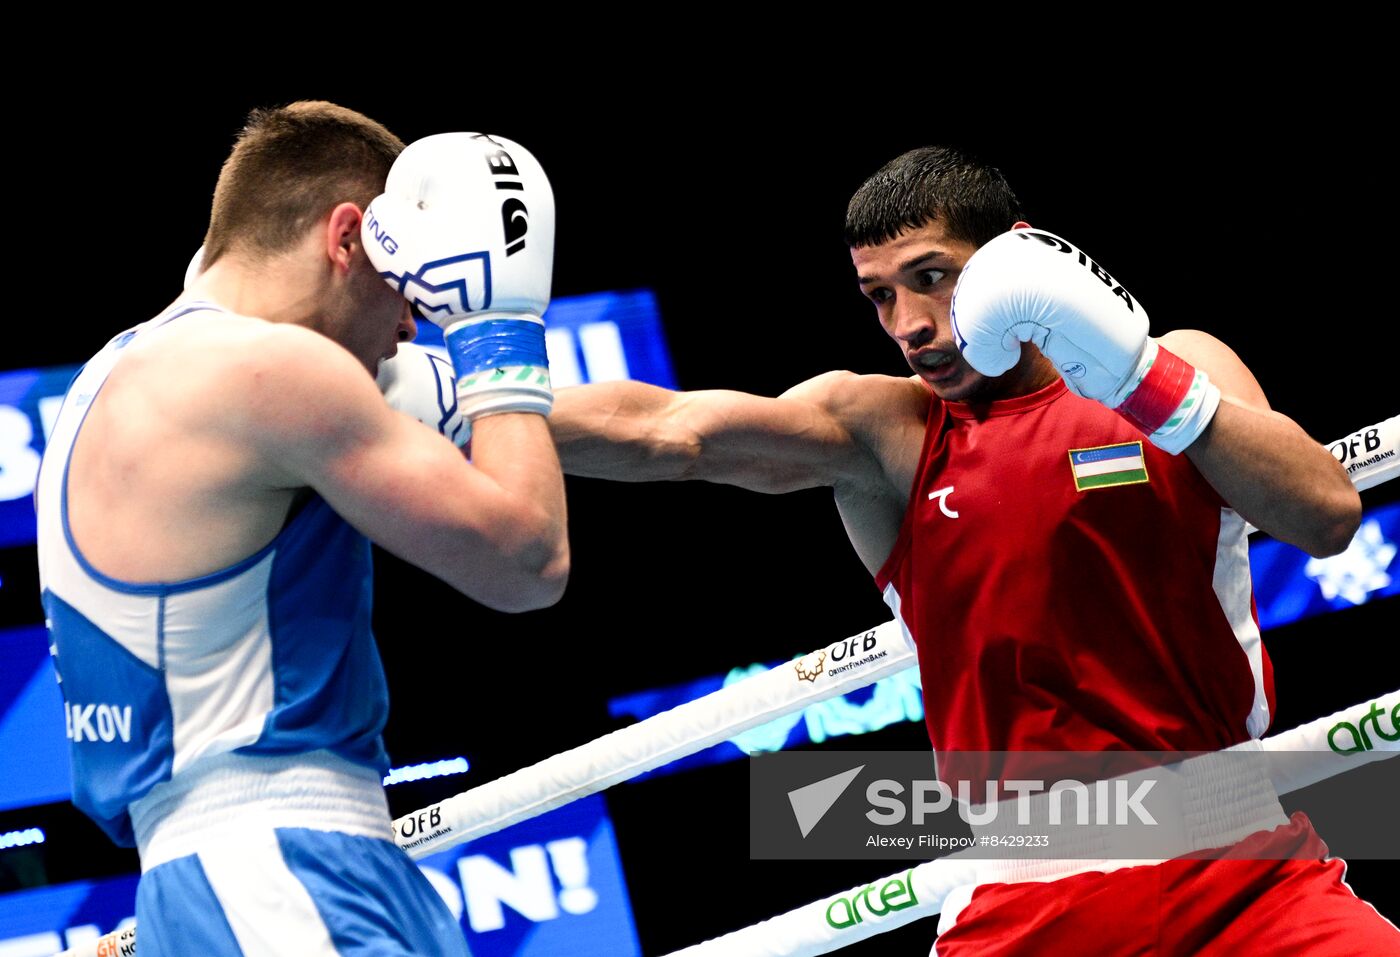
(343, 234)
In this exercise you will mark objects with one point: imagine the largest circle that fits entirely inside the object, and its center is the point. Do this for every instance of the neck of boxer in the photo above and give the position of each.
(293, 287)
(1031, 373)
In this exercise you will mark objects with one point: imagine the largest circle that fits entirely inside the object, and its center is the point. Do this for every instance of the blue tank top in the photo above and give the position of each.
(272, 655)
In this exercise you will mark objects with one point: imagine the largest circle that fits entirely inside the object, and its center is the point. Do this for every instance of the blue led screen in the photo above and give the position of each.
(33, 746)
(550, 885)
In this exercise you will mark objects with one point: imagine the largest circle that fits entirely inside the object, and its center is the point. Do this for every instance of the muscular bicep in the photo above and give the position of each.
(385, 474)
(321, 423)
(1218, 361)
(1262, 463)
(769, 445)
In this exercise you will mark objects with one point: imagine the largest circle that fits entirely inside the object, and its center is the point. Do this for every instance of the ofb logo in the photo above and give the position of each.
(809, 666)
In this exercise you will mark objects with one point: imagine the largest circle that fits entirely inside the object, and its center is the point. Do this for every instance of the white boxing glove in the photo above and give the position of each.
(465, 231)
(1031, 286)
(419, 384)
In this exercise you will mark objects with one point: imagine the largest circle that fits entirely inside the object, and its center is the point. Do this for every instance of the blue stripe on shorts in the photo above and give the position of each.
(371, 897)
(177, 913)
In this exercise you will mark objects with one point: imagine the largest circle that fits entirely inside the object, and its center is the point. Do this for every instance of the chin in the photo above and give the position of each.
(950, 394)
(966, 385)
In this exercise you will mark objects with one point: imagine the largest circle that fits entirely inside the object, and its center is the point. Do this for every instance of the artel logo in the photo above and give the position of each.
(1354, 736)
(894, 894)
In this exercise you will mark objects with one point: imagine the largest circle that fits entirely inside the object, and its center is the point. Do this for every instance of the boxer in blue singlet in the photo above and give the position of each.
(206, 504)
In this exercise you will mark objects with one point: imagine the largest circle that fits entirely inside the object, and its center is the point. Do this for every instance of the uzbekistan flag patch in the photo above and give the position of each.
(1107, 466)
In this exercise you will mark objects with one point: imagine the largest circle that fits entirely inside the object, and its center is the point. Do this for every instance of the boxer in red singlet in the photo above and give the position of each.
(1062, 532)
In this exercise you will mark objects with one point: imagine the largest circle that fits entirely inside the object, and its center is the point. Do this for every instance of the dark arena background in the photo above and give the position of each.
(728, 206)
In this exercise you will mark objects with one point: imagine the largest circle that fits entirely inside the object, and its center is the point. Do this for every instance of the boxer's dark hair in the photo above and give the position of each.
(931, 184)
(290, 166)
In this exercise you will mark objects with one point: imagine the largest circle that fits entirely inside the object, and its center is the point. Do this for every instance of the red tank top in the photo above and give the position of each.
(1061, 598)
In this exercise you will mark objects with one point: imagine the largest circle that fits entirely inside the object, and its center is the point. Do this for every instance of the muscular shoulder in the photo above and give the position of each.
(238, 360)
(885, 415)
(1220, 362)
(864, 400)
(215, 342)
(255, 383)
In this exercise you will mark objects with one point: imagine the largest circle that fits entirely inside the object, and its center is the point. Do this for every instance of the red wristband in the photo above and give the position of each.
(1160, 393)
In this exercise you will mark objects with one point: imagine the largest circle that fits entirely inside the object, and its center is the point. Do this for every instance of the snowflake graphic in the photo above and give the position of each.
(1359, 570)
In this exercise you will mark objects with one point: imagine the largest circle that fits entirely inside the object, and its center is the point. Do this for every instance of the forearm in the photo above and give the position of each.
(633, 432)
(1278, 478)
(515, 452)
(620, 431)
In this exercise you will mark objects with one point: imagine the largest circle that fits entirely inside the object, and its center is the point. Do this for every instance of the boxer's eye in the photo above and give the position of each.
(878, 295)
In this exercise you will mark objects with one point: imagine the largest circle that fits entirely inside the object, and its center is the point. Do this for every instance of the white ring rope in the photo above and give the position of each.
(840, 668)
(1375, 463)
(721, 715)
(808, 930)
(660, 739)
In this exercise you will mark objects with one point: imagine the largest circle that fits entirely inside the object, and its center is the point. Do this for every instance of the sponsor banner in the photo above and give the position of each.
(893, 699)
(880, 899)
(867, 651)
(1372, 455)
(551, 885)
(883, 805)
